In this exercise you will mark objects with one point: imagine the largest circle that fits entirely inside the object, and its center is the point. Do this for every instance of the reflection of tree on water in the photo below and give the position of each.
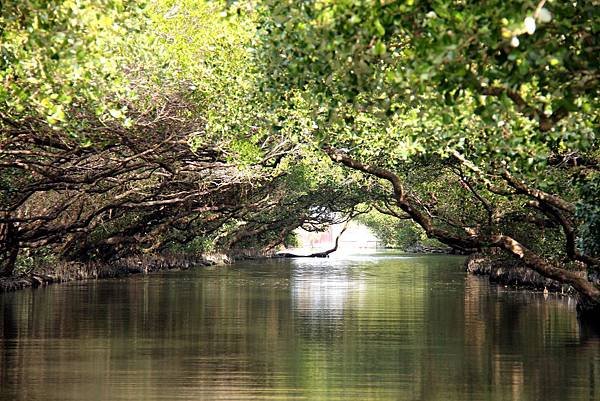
(389, 328)
(512, 347)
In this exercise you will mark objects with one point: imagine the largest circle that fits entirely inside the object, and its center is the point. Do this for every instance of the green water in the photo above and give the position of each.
(363, 327)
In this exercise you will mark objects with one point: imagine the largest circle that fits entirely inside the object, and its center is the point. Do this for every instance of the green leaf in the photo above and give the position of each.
(379, 29)
(379, 49)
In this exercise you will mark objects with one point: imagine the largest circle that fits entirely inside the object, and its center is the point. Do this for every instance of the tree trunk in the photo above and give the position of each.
(589, 293)
(9, 249)
(323, 254)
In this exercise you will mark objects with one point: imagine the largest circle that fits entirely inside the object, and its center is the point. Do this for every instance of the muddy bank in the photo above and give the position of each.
(508, 271)
(72, 271)
(428, 250)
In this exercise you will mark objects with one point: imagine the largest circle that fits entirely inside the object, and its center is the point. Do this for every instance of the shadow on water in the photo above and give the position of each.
(589, 328)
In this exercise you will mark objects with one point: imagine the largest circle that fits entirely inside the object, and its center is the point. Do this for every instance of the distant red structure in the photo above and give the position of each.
(324, 238)
(356, 236)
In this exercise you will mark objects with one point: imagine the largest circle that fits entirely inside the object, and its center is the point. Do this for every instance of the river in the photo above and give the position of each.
(364, 327)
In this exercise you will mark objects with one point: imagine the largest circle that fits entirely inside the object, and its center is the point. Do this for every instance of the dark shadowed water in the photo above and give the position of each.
(362, 327)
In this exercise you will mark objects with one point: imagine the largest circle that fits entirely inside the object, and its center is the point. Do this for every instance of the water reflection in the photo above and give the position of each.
(387, 328)
(327, 289)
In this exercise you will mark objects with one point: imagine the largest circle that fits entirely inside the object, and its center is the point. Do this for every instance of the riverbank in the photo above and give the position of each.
(74, 271)
(499, 270)
(511, 272)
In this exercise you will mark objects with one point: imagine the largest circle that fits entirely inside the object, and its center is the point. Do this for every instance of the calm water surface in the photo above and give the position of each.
(361, 327)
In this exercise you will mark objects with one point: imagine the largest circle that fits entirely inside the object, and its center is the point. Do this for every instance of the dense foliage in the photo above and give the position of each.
(131, 127)
(62, 58)
(122, 132)
(399, 233)
(479, 121)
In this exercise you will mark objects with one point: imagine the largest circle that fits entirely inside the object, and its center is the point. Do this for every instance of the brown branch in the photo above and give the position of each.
(529, 258)
(537, 194)
(322, 254)
(546, 123)
(341, 157)
(545, 268)
(405, 203)
(484, 202)
(569, 232)
(390, 212)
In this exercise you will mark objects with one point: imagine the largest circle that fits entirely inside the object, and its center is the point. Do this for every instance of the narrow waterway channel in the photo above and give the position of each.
(386, 327)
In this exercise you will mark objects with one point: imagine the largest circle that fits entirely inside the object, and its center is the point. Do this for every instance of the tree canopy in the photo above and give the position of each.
(127, 128)
(142, 127)
(483, 117)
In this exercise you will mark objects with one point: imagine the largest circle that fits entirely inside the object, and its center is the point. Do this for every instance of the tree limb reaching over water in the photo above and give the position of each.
(322, 254)
(484, 238)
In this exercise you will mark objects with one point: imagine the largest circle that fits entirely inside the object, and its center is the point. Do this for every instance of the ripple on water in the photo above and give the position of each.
(386, 327)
